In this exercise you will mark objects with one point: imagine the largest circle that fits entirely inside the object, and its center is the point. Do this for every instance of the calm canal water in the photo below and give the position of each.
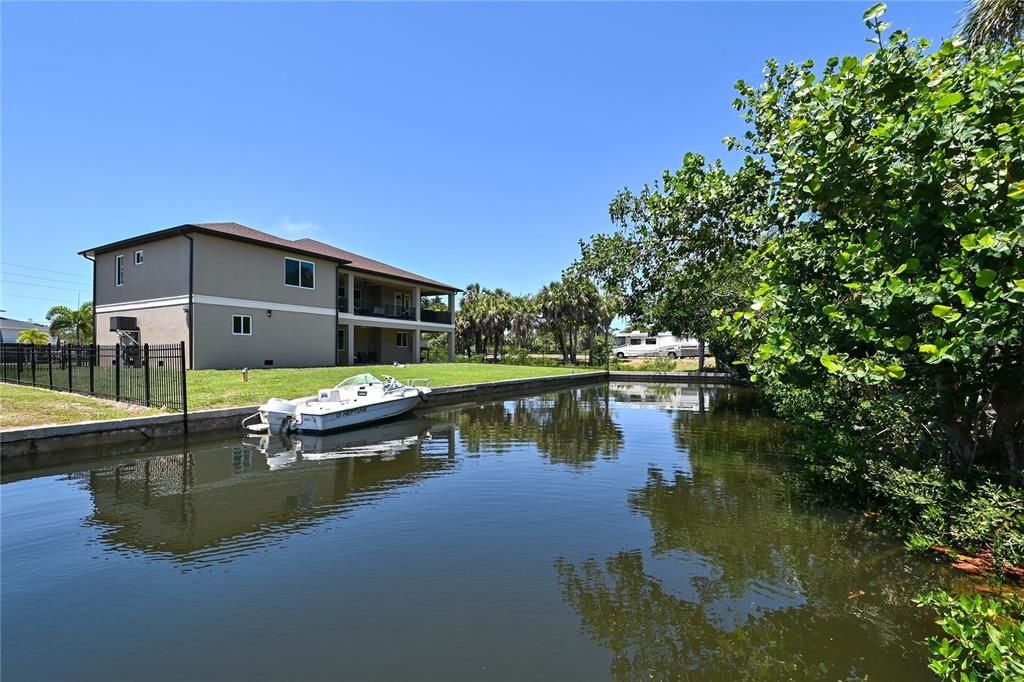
(622, 532)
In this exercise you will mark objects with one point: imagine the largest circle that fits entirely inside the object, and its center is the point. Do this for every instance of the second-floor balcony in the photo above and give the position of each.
(395, 312)
(384, 310)
(437, 316)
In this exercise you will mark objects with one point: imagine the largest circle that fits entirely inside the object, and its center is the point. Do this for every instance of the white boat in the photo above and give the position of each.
(358, 400)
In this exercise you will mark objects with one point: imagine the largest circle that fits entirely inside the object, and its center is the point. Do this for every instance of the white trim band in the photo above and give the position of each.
(213, 300)
(266, 305)
(145, 303)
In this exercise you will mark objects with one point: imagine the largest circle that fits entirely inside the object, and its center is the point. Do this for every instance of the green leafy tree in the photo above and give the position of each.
(897, 247)
(681, 248)
(36, 337)
(71, 325)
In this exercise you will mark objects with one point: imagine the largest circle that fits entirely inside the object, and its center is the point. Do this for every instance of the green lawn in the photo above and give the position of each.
(224, 387)
(23, 406)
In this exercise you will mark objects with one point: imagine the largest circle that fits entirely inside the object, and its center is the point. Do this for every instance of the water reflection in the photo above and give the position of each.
(213, 503)
(574, 428)
(741, 579)
(423, 548)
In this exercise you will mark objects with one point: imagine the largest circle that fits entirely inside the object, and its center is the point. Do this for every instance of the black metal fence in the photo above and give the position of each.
(151, 375)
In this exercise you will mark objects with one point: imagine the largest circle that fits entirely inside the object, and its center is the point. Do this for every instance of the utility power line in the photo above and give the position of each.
(55, 272)
(45, 279)
(42, 286)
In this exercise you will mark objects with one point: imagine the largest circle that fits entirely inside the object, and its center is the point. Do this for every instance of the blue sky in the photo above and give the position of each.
(464, 141)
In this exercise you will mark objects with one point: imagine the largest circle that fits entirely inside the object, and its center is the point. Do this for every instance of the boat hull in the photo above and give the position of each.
(350, 417)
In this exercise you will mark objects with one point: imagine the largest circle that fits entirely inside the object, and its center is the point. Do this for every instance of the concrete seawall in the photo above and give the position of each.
(51, 445)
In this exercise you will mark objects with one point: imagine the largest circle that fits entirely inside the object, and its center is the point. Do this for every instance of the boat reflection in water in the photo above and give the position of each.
(387, 440)
(220, 500)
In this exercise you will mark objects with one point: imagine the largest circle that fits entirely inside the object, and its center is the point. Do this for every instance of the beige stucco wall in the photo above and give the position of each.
(163, 273)
(289, 339)
(167, 324)
(233, 269)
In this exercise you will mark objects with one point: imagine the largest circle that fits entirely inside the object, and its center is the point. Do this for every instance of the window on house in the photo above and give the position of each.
(299, 273)
(651, 341)
(402, 339)
(341, 340)
(402, 301)
(119, 270)
(634, 342)
(241, 325)
(138, 257)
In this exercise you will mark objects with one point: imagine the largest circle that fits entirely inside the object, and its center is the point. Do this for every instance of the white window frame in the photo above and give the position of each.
(398, 339)
(140, 256)
(300, 262)
(119, 270)
(403, 300)
(243, 318)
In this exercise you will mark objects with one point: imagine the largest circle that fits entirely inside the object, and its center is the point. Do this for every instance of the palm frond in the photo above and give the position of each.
(992, 21)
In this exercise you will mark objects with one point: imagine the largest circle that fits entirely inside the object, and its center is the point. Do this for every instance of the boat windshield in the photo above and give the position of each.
(360, 379)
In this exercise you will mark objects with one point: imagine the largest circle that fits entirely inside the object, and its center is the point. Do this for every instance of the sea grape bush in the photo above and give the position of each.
(984, 637)
(896, 253)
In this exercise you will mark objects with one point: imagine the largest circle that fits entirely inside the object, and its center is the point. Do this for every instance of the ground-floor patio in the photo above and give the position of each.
(373, 345)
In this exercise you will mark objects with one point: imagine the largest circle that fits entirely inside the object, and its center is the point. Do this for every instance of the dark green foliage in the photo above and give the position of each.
(897, 243)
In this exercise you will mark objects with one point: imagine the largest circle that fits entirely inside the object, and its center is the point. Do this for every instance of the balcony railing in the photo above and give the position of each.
(397, 312)
(391, 311)
(438, 316)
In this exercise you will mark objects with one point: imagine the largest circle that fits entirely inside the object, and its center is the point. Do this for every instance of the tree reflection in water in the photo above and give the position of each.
(743, 580)
(573, 428)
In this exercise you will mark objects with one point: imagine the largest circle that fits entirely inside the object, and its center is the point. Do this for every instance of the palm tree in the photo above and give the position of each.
(992, 21)
(71, 325)
(36, 337)
(523, 319)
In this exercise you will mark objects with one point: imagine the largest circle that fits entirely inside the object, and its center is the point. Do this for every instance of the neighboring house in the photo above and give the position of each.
(240, 297)
(10, 329)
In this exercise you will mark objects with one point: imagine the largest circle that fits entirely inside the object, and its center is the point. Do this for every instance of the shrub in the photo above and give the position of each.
(657, 365)
(985, 636)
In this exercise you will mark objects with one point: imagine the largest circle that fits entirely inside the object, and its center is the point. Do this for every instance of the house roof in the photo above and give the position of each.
(305, 246)
(9, 323)
(364, 264)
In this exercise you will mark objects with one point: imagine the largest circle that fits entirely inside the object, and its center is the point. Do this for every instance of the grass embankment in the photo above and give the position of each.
(224, 387)
(681, 364)
(23, 406)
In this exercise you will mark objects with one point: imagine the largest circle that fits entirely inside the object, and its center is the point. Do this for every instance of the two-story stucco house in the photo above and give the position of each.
(240, 297)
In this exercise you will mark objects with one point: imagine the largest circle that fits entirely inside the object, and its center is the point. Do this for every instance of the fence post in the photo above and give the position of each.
(67, 349)
(145, 369)
(93, 359)
(117, 371)
(32, 359)
(184, 389)
(17, 360)
(49, 362)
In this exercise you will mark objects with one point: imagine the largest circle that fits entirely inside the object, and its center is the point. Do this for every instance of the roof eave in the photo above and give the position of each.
(184, 229)
(411, 280)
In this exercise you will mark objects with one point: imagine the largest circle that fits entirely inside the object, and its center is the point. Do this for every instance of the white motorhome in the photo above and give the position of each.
(637, 344)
